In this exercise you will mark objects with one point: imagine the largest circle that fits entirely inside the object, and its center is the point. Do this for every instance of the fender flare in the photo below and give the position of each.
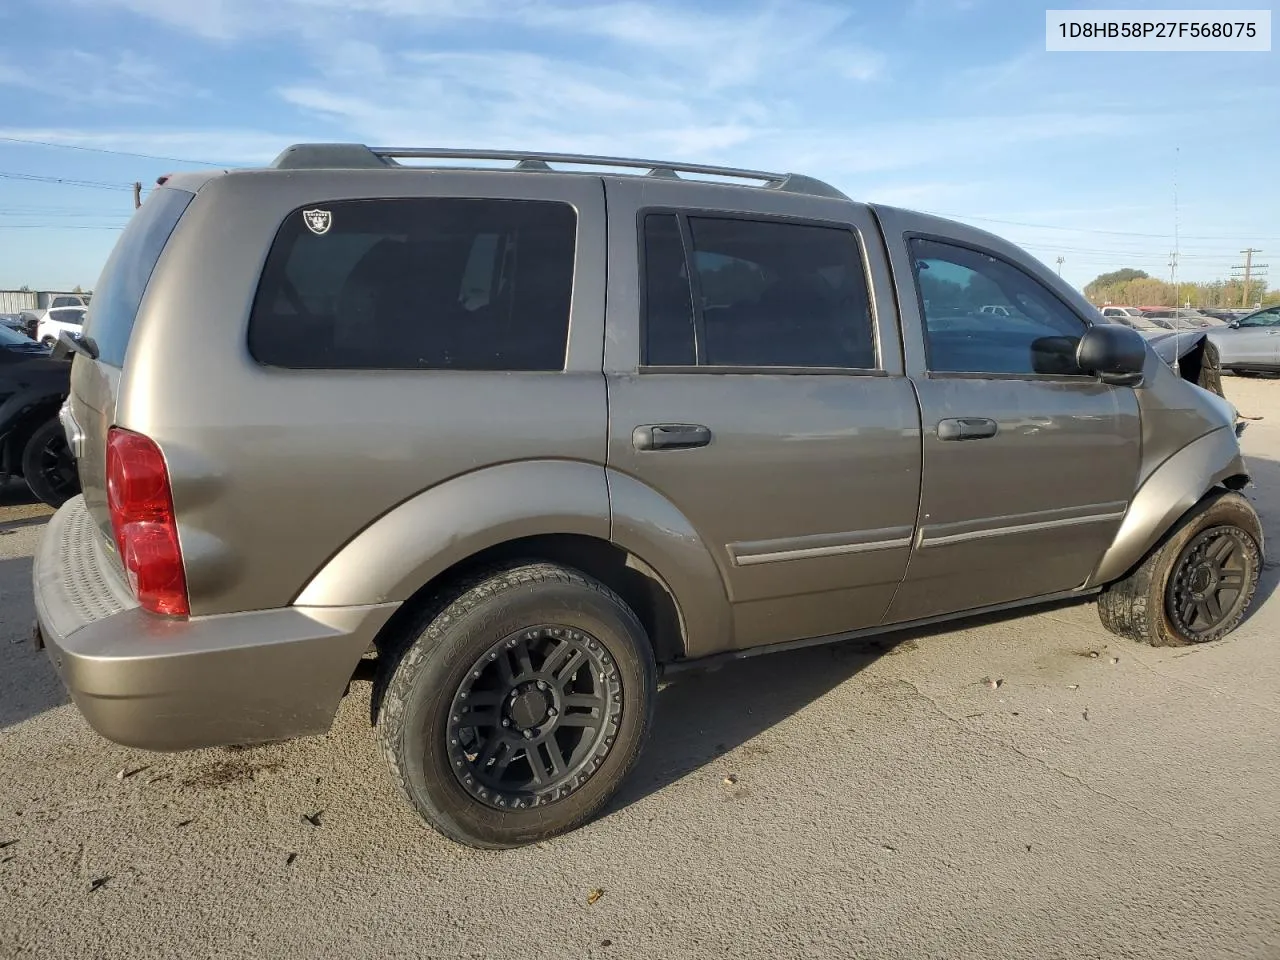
(432, 531)
(650, 527)
(1168, 493)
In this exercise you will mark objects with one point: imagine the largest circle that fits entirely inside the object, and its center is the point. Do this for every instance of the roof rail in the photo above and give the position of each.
(357, 156)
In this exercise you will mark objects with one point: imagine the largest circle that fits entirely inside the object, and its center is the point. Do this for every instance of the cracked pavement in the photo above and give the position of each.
(886, 799)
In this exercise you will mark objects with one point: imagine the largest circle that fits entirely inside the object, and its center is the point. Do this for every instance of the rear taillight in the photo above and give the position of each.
(144, 524)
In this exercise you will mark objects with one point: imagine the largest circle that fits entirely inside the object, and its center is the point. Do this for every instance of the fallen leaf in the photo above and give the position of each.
(289, 859)
(185, 823)
(730, 780)
(606, 943)
(7, 843)
(1028, 848)
(1093, 654)
(1086, 714)
(995, 684)
(1074, 686)
(99, 883)
(1115, 659)
(7, 859)
(890, 847)
(313, 818)
(594, 896)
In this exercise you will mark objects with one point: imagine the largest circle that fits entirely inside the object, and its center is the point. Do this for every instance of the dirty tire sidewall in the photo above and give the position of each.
(414, 713)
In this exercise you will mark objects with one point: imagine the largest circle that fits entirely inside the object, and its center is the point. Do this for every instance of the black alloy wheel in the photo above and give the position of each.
(1208, 583)
(48, 467)
(535, 716)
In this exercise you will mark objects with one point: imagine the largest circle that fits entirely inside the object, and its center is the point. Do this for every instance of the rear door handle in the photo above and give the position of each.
(670, 436)
(966, 428)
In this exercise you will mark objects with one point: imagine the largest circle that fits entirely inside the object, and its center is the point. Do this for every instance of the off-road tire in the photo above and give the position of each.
(1135, 608)
(418, 683)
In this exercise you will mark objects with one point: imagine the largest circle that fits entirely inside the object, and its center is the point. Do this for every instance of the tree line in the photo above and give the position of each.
(1133, 288)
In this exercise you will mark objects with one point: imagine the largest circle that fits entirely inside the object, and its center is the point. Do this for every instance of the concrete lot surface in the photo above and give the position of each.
(1104, 800)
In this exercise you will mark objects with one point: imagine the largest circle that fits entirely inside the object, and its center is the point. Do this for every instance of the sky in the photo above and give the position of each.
(947, 106)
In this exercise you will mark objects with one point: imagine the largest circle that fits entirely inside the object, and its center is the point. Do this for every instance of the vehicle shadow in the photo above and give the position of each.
(1266, 478)
(15, 492)
(703, 714)
(28, 683)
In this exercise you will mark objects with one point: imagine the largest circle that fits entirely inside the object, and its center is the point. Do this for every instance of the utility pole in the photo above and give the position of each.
(1061, 260)
(137, 195)
(1248, 267)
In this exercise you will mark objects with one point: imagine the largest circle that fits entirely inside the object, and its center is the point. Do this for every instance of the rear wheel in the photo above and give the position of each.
(1197, 585)
(48, 467)
(518, 705)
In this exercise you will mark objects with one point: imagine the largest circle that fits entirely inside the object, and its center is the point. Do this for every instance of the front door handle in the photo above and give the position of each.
(670, 436)
(966, 428)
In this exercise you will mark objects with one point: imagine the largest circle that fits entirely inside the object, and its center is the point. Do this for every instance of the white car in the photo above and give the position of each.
(58, 320)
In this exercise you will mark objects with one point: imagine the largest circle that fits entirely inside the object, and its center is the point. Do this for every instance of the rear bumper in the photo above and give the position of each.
(162, 684)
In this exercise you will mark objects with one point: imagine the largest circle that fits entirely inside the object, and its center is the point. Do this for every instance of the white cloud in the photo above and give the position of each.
(79, 76)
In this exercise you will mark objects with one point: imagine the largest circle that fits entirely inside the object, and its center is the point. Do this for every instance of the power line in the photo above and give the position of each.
(1050, 226)
(65, 181)
(114, 153)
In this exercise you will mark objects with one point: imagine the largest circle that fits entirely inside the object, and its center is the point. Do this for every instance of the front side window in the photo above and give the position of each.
(1264, 318)
(1025, 330)
(418, 284)
(730, 292)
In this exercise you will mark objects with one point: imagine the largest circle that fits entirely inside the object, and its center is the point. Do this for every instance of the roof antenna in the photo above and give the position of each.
(1173, 270)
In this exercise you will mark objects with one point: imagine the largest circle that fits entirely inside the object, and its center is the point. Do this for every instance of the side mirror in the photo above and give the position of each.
(1114, 353)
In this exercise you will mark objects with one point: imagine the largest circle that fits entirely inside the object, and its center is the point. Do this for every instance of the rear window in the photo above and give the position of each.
(418, 284)
(124, 279)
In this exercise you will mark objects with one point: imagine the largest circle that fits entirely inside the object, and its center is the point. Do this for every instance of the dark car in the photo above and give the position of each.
(33, 445)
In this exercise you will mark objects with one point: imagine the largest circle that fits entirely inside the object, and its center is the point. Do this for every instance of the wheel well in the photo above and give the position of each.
(1236, 482)
(623, 573)
(21, 432)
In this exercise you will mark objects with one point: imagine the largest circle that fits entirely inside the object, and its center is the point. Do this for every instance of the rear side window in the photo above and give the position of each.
(733, 292)
(128, 271)
(418, 284)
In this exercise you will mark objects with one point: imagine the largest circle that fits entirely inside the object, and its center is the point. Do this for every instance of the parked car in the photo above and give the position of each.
(13, 321)
(671, 423)
(1185, 319)
(1226, 316)
(33, 445)
(1133, 317)
(59, 320)
(1252, 343)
